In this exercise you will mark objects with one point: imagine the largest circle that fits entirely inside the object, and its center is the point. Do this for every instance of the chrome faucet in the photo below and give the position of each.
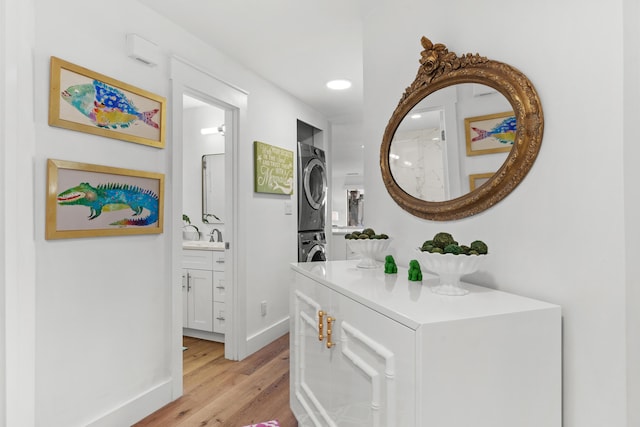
(213, 232)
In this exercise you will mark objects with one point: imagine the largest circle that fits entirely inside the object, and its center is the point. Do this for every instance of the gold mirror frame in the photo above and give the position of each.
(440, 68)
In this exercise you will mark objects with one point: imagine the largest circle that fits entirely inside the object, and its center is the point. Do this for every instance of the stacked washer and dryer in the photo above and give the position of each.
(312, 203)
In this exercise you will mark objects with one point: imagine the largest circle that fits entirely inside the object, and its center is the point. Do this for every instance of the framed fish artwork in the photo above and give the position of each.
(493, 133)
(86, 101)
(85, 200)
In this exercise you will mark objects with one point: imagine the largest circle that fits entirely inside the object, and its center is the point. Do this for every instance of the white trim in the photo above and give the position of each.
(190, 79)
(137, 408)
(267, 335)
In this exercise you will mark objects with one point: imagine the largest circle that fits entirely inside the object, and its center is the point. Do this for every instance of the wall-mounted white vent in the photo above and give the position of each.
(143, 50)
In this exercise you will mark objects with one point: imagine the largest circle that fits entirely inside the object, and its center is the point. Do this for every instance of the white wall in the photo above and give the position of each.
(632, 204)
(346, 159)
(560, 236)
(17, 252)
(271, 235)
(102, 306)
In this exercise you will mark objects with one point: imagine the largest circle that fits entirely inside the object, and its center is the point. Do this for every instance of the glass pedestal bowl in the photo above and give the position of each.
(450, 268)
(370, 251)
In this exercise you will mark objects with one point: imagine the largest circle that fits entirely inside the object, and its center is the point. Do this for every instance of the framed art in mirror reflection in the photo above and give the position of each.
(492, 133)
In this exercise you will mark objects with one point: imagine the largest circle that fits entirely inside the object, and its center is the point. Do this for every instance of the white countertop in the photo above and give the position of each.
(201, 245)
(413, 303)
(345, 230)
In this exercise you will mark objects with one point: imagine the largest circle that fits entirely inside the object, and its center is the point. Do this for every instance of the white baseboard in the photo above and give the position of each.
(137, 408)
(266, 336)
(209, 336)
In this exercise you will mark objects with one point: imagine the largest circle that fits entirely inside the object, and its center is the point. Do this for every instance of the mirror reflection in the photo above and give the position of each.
(436, 148)
(355, 207)
(514, 132)
(213, 188)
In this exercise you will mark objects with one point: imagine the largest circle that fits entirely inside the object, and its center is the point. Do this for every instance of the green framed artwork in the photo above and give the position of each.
(273, 169)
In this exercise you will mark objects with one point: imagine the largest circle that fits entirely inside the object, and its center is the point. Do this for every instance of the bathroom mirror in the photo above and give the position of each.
(213, 187)
(489, 89)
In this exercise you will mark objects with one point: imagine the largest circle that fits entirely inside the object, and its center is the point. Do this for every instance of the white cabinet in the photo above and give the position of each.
(197, 299)
(339, 248)
(203, 291)
(399, 355)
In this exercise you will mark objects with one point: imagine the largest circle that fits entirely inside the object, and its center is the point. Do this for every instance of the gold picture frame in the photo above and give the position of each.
(86, 101)
(86, 200)
(477, 179)
(492, 133)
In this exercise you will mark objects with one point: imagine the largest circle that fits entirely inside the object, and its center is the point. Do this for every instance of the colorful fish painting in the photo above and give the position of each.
(106, 106)
(505, 131)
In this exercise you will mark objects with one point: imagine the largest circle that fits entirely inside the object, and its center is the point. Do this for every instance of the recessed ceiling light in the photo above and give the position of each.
(339, 84)
(416, 116)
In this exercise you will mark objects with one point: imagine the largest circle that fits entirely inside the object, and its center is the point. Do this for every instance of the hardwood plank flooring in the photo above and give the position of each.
(220, 392)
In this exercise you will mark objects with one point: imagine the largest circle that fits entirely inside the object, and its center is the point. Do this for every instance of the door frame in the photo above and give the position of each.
(189, 79)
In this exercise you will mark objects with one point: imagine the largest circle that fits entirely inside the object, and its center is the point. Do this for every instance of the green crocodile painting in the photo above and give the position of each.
(113, 197)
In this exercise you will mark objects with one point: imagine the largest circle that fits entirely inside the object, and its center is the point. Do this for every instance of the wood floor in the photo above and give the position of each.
(220, 392)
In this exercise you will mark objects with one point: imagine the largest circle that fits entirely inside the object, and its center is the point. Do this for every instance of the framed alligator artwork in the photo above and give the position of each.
(85, 200)
(86, 101)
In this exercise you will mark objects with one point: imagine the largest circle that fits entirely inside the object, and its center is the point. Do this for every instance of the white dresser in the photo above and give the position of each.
(370, 349)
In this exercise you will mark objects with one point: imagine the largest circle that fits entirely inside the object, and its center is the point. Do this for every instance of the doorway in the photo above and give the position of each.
(194, 83)
(204, 286)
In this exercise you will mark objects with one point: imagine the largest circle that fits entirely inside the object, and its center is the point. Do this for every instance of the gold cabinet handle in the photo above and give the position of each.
(330, 321)
(320, 325)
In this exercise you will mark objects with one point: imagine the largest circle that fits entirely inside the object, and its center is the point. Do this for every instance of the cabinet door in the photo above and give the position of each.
(200, 310)
(357, 381)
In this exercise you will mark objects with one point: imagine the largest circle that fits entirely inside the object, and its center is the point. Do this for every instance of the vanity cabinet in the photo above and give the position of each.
(203, 292)
(197, 299)
(369, 349)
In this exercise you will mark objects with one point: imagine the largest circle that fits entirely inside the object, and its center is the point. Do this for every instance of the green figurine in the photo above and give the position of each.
(390, 266)
(415, 274)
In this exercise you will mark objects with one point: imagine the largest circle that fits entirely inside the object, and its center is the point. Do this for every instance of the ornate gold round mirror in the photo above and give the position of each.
(467, 105)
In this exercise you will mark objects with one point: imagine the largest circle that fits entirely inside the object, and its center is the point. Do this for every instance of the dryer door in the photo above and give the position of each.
(316, 253)
(315, 183)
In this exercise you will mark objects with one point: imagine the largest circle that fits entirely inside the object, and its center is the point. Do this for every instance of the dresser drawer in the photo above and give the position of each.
(201, 260)
(218, 260)
(219, 318)
(219, 286)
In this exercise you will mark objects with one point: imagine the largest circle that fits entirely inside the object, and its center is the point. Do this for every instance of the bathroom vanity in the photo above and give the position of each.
(374, 349)
(203, 290)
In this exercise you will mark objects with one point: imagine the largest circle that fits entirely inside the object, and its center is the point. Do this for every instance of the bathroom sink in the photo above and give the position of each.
(202, 245)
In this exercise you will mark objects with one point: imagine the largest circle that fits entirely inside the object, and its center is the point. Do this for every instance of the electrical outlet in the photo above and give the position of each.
(263, 308)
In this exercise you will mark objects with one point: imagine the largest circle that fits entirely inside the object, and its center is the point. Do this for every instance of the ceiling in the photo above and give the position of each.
(298, 45)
